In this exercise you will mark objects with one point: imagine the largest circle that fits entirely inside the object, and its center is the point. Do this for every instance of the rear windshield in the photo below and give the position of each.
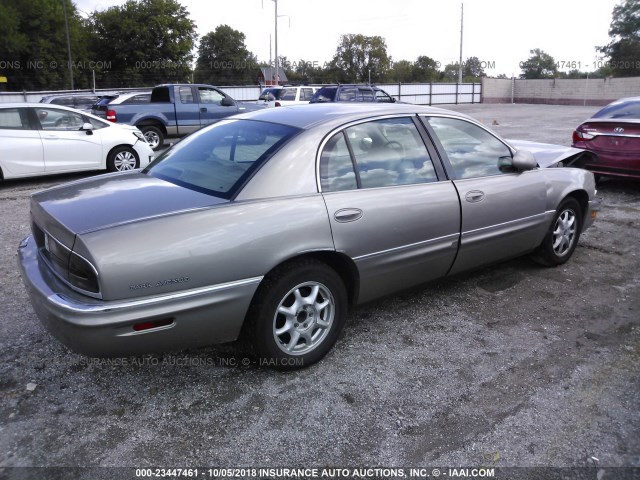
(630, 109)
(219, 159)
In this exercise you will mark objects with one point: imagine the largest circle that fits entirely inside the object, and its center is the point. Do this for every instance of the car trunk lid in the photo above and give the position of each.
(109, 200)
(613, 136)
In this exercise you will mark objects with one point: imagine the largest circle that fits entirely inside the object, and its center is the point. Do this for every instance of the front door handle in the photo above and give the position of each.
(345, 215)
(203, 109)
(474, 196)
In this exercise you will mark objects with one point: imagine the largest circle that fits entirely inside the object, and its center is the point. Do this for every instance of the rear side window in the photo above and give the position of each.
(14, 119)
(288, 94)
(386, 153)
(218, 160)
(306, 94)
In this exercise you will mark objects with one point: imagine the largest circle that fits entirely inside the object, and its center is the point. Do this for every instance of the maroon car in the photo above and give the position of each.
(613, 136)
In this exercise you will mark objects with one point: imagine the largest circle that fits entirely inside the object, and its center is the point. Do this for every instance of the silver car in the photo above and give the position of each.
(271, 224)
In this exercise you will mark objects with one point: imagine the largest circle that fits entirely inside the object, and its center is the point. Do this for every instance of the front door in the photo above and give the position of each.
(503, 211)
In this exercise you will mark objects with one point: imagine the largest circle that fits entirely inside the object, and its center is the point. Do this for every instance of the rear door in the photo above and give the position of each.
(20, 144)
(66, 146)
(187, 109)
(389, 208)
(503, 211)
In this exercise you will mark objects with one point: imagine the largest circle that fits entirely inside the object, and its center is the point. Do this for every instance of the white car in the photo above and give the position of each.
(43, 139)
(283, 96)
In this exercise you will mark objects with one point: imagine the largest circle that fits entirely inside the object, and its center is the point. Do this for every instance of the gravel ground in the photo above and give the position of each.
(512, 365)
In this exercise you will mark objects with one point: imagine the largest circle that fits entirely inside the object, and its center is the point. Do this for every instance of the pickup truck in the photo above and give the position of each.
(177, 110)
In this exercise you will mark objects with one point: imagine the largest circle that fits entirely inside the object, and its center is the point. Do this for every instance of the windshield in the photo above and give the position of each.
(628, 109)
(219, 159)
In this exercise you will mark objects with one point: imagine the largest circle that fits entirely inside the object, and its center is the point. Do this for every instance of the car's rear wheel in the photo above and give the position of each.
(122, 159)
(562, 237)
(297, 315)
(153, 136)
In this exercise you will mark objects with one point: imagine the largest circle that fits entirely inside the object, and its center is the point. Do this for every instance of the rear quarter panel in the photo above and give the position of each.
(204, 247)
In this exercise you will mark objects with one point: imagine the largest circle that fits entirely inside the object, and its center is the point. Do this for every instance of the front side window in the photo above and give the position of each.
(208, 95)
(472, 151)
(386, 153)
(59, 120)
(218, 160)
(288, 94)
(365, 94)
(382, 96)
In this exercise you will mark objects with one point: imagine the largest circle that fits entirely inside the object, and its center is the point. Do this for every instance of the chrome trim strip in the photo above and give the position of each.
(403, 247)
(77, 307)
(519, 220)
(601, 134)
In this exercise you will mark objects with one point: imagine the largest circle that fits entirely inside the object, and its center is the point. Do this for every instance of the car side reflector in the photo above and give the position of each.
(155, 324)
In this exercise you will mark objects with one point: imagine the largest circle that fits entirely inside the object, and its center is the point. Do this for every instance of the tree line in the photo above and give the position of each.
(146, 42)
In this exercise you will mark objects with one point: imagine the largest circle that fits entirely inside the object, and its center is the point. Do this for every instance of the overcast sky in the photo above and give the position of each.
(499, 32)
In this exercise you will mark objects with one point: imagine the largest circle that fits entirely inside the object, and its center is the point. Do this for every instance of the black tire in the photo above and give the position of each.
(562, 237)
(306, 333)
(153, 136)
(122, 159)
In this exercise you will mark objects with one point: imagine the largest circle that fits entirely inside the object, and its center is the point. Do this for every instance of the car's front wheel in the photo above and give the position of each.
(297, 315)
(122, 159)
(562, 237)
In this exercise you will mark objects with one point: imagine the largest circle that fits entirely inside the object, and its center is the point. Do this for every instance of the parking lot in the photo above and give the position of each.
(511, 365)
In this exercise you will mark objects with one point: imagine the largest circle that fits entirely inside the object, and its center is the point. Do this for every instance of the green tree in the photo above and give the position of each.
(359, 58)
(472, 69)
(223, 59)
(538, 65)
(401, 71)
(450, 72)
(33, 44)
(624, 49)
(143, 42)
(425, 69)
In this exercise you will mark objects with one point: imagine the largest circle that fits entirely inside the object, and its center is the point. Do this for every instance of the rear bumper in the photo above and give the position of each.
(200, 316)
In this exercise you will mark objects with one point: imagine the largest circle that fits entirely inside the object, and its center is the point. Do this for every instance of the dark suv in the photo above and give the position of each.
(351, 93)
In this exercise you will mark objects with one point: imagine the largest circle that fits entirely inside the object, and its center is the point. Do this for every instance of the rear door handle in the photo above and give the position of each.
(474, 196)
(203, 109)
(345, 215)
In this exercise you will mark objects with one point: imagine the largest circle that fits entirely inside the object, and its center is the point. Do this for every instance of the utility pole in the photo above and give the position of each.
(277, 70)
(461, 29)
(66, 25)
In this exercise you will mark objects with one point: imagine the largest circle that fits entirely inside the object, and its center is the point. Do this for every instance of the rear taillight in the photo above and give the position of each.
(278, 104)
(579, 136)
(82, 274)
(111, 115)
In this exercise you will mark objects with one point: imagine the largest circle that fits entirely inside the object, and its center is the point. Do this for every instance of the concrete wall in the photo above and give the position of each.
(593, 91)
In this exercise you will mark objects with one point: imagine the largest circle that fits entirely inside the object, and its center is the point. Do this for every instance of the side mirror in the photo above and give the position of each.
(227, 102)
(524, 160)
(87, 127)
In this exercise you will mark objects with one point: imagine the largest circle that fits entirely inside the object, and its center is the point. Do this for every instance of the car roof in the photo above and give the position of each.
(309, 115)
